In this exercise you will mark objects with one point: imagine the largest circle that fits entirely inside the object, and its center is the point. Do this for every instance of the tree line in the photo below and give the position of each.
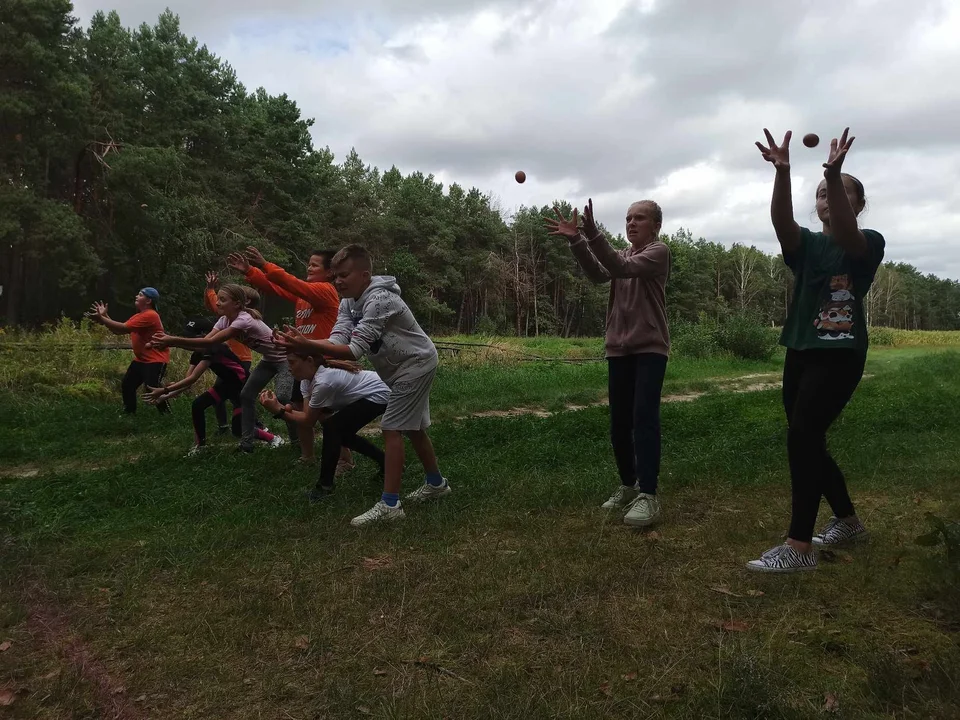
(133, 157)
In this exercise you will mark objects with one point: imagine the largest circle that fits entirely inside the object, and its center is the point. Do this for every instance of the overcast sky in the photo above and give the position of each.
(622, 100)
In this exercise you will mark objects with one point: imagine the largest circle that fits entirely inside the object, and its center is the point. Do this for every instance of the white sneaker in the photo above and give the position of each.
(624, 495)
(380, 511)
(195, 450)
(644, 511)
(277, 442)
(429, 492)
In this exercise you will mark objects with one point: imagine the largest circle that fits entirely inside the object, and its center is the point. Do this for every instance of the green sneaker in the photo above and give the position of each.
(643, 511)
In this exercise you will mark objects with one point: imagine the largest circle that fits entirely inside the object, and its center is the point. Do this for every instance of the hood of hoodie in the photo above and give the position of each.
(379, 282)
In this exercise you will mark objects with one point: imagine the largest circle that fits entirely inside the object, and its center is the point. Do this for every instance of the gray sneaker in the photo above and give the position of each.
(848, 531)
(643, 511)
(624, 495)
(784, 559)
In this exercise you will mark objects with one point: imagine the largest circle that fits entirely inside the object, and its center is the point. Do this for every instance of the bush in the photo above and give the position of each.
(745, 338)
(693, 340)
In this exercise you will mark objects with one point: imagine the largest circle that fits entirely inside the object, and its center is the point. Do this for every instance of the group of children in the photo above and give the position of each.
(314, 366)
(825, 335)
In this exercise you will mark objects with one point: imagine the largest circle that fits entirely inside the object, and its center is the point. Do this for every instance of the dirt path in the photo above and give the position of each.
(763, 381)
(756, 382)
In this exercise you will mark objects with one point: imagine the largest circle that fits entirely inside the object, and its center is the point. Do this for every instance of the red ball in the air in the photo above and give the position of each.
(521, 176)
(811, 140)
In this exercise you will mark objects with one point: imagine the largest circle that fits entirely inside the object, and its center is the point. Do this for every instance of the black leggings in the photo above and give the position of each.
(216, 397)
(341, 431)
(635, 383)
(140, 373)
(817, 385)
(220, 409)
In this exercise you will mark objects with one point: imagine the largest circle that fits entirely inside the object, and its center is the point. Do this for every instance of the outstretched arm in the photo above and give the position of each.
(781, 205)
(581, 251)
(843, 220)
(98, 313)
(210, 294)
(160, 340)
(653, 260)
(292, 339)
(155, 395)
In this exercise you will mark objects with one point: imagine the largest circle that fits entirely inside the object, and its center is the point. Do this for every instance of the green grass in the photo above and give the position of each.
(211, 589)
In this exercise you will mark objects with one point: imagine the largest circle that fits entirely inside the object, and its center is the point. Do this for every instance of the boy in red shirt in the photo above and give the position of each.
(316, 303)
(149, 364)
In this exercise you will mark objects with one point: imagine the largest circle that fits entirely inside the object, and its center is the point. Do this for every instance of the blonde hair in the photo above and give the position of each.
(358, 253)
(245, 297)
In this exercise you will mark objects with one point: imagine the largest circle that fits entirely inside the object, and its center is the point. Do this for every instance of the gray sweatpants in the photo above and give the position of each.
(262, 374)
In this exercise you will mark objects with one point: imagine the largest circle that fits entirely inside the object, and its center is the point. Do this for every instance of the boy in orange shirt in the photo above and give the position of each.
(149, 364)
(316, 303)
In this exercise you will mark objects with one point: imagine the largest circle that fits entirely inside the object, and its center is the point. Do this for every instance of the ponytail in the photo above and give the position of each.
(245, 297)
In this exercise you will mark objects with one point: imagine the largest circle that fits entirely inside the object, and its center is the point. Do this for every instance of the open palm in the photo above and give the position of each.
(838, 151)
(779, 155)
(560, 225)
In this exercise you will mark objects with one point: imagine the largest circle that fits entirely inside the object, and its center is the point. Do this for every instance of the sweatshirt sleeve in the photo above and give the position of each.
(653, 260)
(256, 278)
(588, 261)
(318, 294)
(377, 311)
(210, 299)
(343, 329)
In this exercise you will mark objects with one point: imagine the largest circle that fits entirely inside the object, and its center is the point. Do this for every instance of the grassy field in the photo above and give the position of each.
(134, 583)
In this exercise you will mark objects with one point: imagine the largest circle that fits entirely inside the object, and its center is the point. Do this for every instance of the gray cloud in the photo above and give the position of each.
(621, 100)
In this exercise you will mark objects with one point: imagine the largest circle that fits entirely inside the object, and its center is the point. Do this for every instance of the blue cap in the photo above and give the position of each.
(151, 293)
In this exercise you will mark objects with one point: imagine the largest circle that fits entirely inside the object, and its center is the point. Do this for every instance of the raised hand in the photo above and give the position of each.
(838, 151)
(563, 226)
(589, 223)
(212, 280)
(254, 257)
(291, 339)
(779, 155)
(97, 311)
(239, 262)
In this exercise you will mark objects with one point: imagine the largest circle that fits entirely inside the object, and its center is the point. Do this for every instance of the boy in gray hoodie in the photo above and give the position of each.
(375, 322)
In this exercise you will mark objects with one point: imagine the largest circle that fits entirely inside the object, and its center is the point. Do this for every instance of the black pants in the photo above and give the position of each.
(217, 396)
(817, 385)
(138, 374)
(220, 409)
(341, 431)
(635, 383)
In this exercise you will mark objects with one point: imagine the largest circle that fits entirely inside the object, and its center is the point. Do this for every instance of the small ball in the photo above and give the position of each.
(521, 176)
(811, 140)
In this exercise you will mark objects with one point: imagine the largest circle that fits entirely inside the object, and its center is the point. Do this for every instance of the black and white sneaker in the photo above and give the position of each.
(847, 531)
(784, 559)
